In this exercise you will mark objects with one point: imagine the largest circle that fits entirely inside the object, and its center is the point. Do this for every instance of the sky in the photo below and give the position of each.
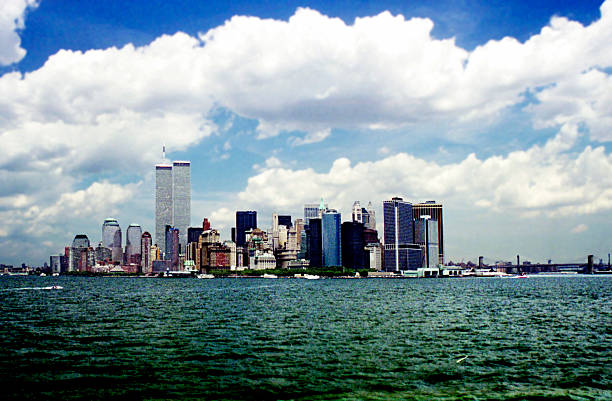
(500, 110)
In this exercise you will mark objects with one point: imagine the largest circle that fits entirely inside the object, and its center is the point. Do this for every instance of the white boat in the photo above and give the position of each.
(270, 276)
(55, 274)
(203, 275)
(311, 277)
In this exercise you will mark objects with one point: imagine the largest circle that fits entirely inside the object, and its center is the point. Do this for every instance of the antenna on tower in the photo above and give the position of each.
(164, 152)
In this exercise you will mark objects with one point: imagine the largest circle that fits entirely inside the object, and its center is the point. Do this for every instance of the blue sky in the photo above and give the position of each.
(500, 110)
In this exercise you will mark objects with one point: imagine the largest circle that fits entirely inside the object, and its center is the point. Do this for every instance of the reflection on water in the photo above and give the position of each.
(100, 338)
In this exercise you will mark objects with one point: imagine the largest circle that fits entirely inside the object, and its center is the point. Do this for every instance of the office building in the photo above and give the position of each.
(369, 219)
(146, 260)
(172, 201)
(313, 211)
(181, 200)
(245, 220)
(364, 215)
(315, 251)
(374, 256)
(133, 238)
(426, 235)
(172, 247)
(400, 252)
(193, 234)
(353, 246)
(434, 210)
(79, 258)
(331, 238)
(111, 238)
(163, 203)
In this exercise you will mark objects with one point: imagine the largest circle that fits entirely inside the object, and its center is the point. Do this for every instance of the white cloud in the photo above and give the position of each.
(385, 71)
(543, 180)
(585, 98)
(12, 19)
(310, 137)
(580, 228)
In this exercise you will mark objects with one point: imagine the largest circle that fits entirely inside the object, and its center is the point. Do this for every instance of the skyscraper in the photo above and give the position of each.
(146, 262)
(315, 251)
(78, 254)
(111, 238)
(331, 235)
(401, 253)
(163, 203)
(433, 209)
(426, 235)
(353, 246)
(181, 199)
(312, 211)
(133, 238)
(172, 200)
(245, 220)
(371, 220)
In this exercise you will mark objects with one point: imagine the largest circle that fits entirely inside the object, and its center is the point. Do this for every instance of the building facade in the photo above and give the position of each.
(245, 220)
(400, 251)
(331, 238)
(434, 210)
(146, 260)
(163, 203)
(315, 250)
(181, 199)
(353, 246)
(133, 237)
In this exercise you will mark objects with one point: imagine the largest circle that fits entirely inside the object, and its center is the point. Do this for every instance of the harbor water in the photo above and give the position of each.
(447, 339)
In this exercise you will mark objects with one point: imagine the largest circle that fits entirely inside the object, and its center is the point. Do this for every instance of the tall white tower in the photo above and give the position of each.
(181, 198)
(163, 203)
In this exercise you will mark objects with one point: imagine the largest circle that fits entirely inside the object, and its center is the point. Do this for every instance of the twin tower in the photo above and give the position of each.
(172, 201)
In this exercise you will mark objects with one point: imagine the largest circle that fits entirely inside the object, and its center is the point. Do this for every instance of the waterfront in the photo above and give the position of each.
(105, 338)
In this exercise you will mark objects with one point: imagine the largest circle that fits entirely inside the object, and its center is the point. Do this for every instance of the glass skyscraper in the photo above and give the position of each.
(353, 246)
(315, 252)
(401, 253)
(245, 220)
(331, 238)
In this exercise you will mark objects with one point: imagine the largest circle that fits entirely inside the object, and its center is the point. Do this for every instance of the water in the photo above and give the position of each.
(133, 338)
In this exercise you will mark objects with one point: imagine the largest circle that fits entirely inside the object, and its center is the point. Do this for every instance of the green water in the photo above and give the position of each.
(133, 338)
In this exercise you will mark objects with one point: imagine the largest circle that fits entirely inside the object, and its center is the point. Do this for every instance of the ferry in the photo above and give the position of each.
(270, 275)
(203, 275)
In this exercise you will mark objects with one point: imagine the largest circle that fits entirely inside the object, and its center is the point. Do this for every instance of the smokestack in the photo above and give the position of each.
(518, 260)
(589, 264)
(480, 262)
(164, 152)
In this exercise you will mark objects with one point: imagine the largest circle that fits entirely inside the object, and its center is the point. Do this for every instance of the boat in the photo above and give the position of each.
(43, 275)
(204, 275)
(311, 277)
(270, 276)
(55, 274)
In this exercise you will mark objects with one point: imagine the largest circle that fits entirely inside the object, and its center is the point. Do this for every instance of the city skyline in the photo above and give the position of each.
(499, 112)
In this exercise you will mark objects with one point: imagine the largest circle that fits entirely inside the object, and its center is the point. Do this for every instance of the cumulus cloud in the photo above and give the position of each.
(386, 71)
(584, 98)
(543, 180)
(12, 19)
